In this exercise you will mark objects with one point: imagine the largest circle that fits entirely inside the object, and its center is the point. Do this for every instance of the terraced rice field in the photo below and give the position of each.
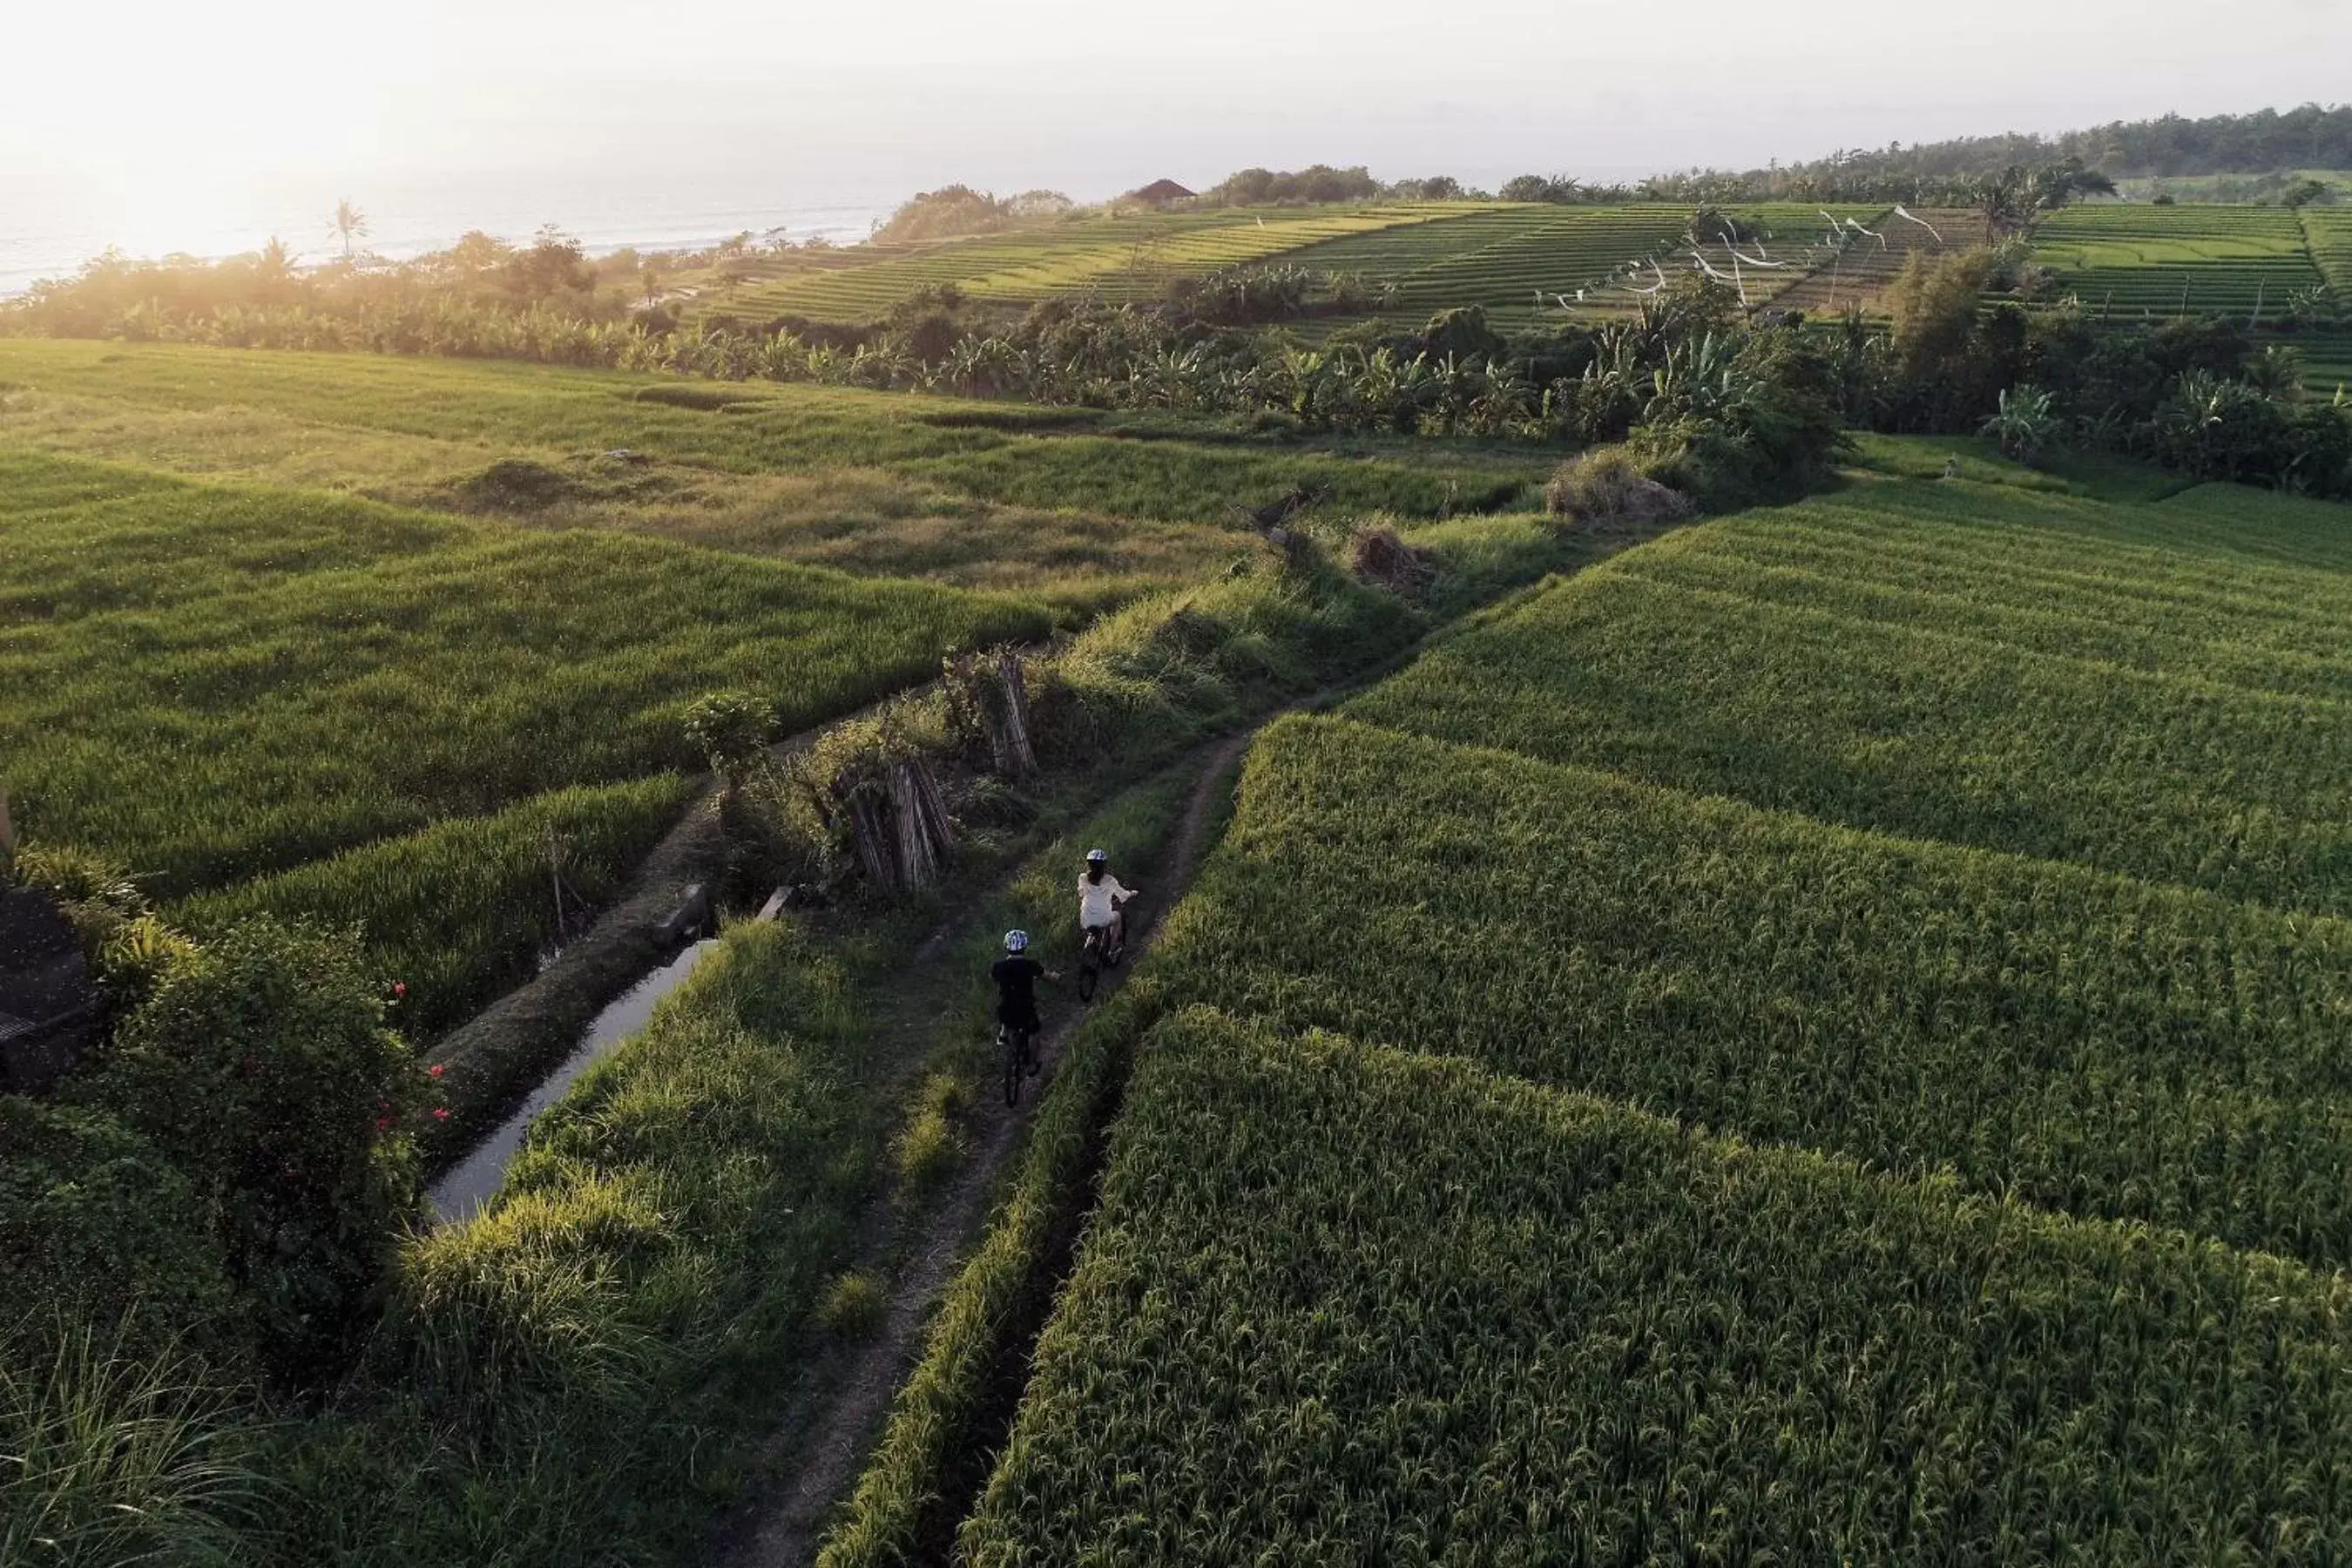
(1504, 259)
(1866, 268)
(1122, 257)
(2327, 357)
(2133, 262)
(2328, 231)
(1819, 1040)
(1516, 262)
(1513, 260)
(213, 684)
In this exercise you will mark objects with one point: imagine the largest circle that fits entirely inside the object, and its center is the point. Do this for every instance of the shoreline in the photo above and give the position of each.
(842, 224)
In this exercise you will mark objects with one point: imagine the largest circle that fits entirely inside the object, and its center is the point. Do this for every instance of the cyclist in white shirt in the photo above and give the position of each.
(1100, 901)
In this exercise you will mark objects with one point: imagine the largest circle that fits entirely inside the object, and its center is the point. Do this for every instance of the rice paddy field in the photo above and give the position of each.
(2132, 262)
(1126, 256)
(1511, 260)
(2330, 232)
(351, 636)
(1817, 1040)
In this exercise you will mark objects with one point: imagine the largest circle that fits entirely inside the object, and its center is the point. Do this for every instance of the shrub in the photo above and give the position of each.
(261, 1067)
(96, 1227)
(1607, 485)
(732, 729)
(2024, 425)
(950, 210)
(853, 1306)
(1934, 309)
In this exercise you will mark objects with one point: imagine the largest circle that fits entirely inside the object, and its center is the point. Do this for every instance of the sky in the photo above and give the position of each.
(156, 124)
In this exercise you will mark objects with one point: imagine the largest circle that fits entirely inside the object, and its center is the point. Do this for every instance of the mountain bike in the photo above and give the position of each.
(1105, 946)
(1020, 1047)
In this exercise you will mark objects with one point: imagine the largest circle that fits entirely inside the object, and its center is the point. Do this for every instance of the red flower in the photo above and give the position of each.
(382, 1124)
(400, 988)
(436, 1070)
(440, 1113)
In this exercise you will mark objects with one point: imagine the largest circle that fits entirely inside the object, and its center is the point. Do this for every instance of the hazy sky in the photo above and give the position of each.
(157, 111)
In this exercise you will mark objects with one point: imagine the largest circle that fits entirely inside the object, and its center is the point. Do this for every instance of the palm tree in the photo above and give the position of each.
(350, 223)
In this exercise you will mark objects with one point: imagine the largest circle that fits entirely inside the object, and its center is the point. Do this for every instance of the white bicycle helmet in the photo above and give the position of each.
(1015, 941)
(1096, 856)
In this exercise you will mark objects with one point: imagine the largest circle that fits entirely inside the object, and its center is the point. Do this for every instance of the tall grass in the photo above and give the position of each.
(111, 1457)
(581, 1370)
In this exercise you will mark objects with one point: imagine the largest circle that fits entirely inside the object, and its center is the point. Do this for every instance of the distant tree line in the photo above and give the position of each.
(958, 210)
(2310, 137)
(117, 295)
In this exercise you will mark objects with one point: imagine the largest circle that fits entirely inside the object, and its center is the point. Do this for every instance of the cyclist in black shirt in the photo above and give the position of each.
(1016, 975)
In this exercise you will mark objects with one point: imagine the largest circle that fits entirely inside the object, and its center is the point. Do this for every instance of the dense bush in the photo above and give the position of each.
(1317, 183)
(2194, 394)
(954, 210)
(261, 1069)
(97, 1228)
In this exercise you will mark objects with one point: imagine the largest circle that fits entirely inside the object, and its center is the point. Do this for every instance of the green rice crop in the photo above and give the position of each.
(1882, 663)
(463, 908)
(1346, 1306)
(1733, 1183)
(2328, 231)
(1101, 463)
(1503, 258)
(2083, 1041)
(367, 708)
(1126, 257)
(1498, 257)
(2135, 261)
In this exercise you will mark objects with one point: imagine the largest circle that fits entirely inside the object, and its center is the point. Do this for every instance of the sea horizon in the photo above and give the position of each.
(35, 246)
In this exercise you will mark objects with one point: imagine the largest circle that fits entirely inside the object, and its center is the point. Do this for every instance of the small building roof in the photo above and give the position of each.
(1161, 191)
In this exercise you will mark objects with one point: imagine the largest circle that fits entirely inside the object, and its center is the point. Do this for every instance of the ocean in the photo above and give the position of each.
(51, 235)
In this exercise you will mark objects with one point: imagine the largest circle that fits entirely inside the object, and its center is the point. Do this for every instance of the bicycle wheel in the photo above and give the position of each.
(1010, 1038)
(1087, 976)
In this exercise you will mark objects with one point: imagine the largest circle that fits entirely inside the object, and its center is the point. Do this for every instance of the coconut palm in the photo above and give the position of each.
(349, 223)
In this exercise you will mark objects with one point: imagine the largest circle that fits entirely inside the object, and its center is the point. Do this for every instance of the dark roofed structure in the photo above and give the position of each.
(1160, 194)
(47, 1009)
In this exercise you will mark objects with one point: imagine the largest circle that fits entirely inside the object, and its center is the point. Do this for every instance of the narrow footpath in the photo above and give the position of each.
(836, 1418)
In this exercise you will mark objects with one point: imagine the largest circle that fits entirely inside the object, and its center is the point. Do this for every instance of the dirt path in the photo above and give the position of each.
(834, 1423)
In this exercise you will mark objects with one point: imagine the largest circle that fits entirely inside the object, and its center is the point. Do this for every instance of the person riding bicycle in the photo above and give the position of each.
(1016, 975)
(1100, 901)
